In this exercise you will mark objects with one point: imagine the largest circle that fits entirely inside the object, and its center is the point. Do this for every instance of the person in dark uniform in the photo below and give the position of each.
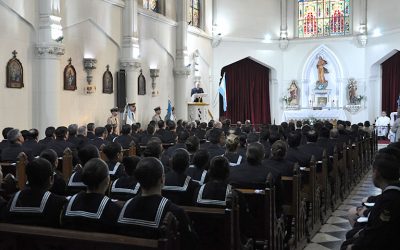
(90, 131)
(49, 135)
(192, 146)
(113, 151)
(75, 183)
(60, 143)
(252, 173)
(215, 192)
(142, 216)
(179, 187)
(324, 141)
(278, 160)
(59, 184)
(231, 153)
(149, 134)
(197, 90)
(92, 210)
(4, 142)
(100, 137)
(125, 139)
(165, 135)
(81, 135)
(201, 132)
(31, 143)
(72, 135)
(35, 205)
(198, 169)
(14, 148)
(311, 147)
(293, 153)
(126, 187)
(216, 142)
(382, 228)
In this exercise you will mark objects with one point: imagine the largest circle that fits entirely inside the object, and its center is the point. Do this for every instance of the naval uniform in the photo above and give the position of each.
(142, 216)
(212, 194)
(198, 175)
(75, 183)
(116, 170)
(90, 212)
(179, 188)
(35, 207)
(124, 188)
(382, 229)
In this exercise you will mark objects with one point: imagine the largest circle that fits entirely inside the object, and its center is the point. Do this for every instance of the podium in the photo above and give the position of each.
(198, 111)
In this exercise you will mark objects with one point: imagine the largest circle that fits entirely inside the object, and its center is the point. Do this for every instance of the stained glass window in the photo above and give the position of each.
(152, 5)
(193, 13)
(318, 18)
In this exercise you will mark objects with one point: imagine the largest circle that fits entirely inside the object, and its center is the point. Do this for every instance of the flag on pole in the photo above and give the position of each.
(222, 92)
(169, 111)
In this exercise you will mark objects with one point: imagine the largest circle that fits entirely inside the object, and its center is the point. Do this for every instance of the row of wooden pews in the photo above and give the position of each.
(311, 195)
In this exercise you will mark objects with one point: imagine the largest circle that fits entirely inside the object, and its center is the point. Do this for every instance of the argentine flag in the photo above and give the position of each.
(169, 111)
(222, 92)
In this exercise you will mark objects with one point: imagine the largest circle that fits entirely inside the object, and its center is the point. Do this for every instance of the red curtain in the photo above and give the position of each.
(247, 92)
(390, 83)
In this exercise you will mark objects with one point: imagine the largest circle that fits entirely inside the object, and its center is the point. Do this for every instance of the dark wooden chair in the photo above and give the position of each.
(268, 230)
(294, 208)
(325, 189)
(218, 228)
(311, 192)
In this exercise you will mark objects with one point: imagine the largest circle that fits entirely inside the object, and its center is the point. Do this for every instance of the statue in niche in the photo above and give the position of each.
(293, 94)
(322, 83)
(352, 91)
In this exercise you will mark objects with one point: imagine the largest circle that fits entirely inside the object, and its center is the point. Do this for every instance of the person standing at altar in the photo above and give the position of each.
(157, 115)
(113, 120)
(381, 125)
(197, 90)
(130, 113)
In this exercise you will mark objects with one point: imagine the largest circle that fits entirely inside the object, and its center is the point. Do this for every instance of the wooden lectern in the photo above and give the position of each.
(198, 111)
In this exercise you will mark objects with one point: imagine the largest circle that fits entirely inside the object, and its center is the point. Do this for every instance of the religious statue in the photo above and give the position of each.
(322, 83)
(352, 88)
(293, 94)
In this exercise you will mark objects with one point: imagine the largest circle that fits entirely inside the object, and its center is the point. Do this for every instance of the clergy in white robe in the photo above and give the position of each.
(381, 125)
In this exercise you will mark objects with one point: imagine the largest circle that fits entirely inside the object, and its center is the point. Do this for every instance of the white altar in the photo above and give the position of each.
(323, 114)
(198, 111)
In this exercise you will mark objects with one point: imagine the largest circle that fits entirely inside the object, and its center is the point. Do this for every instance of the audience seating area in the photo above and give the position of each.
(310, 196)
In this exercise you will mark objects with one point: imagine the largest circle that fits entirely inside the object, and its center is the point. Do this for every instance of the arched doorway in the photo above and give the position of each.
(247, 92)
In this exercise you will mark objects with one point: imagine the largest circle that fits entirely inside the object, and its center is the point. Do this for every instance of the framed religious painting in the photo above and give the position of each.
(108, 82)
(141, 84)
(14, 73)
(69, 76)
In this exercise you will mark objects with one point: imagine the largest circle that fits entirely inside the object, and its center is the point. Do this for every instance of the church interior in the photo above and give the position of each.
(258, 62)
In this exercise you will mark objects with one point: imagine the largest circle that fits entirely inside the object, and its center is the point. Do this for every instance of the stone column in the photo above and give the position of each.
(283, 37)
(130, 53)
(362, 37)
(181, 71)
(47, 86)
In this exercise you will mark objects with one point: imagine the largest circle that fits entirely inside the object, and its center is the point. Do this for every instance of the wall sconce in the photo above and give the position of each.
(89, 64)
(154, 73)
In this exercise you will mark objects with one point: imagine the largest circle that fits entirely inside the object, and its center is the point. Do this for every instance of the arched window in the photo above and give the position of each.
(193, 13)
(318, 18)
(152, 5)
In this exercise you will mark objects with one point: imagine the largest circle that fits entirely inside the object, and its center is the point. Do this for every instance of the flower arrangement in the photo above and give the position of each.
(360, 98)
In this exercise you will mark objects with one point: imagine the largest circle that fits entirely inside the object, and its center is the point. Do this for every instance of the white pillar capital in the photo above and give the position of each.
(50, 50)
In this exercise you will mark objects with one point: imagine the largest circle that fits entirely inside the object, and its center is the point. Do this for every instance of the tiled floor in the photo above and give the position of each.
(333, 233)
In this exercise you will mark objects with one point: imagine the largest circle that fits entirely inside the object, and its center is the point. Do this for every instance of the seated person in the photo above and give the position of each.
(179, 187)
(252, 173)
(59, 184)
(113, 151)
(216, 142)
(35, 205)
(383, 223)
(75, 183)
(192, 145)
(125, 139)
(277, 160)
(293, 153)
(215, 192)
(100, 137)
(126, 187)
(142, 215)
(231, 153)
(14, 146)
(198, 169)
(92, 210)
